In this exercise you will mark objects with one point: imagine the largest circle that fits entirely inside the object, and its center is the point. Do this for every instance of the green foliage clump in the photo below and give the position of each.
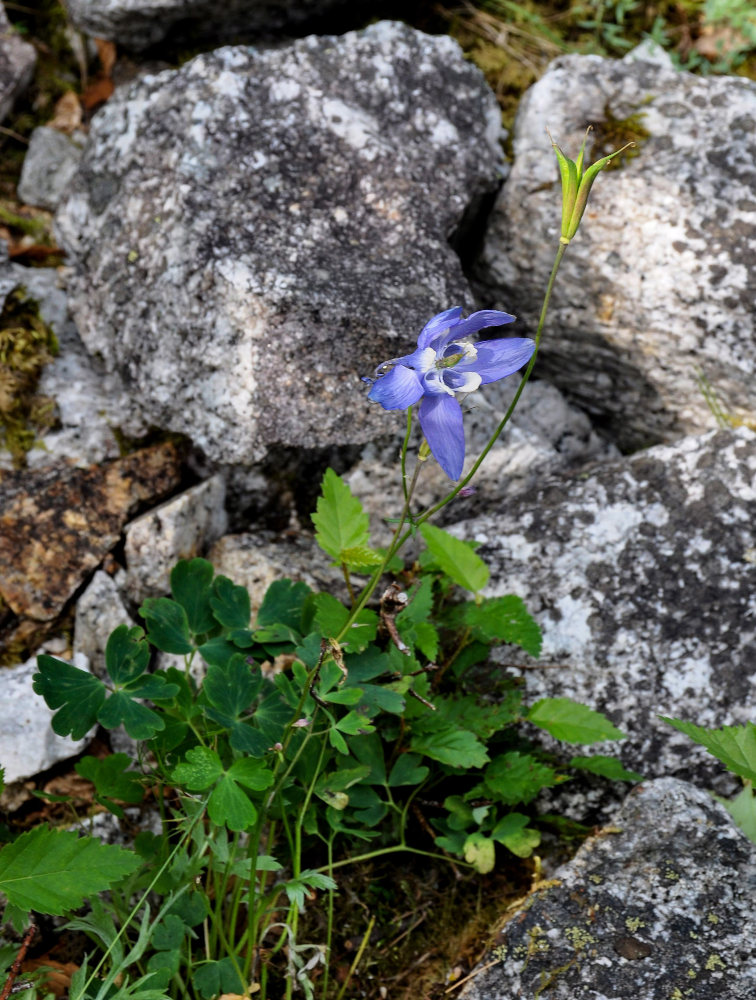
(305, 744)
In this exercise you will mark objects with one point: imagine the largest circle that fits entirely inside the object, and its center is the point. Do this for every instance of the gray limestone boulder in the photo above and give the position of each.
(656, 289)
(642, 575)
(658, 907)
(253, 232)
(49, 166)
(17, 62)
(139, 24)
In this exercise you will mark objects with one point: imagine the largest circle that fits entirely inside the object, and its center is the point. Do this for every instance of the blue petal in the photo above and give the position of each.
(441, 421)
(498, 358)
(397, 390)
(438, 324)
(478, 321)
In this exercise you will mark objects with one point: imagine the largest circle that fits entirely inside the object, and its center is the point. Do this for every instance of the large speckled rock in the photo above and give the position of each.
(657, 287)
(659, 907)
(251, 233)
(17, 62)
(138, 24)
(642, 575)
(49, 166)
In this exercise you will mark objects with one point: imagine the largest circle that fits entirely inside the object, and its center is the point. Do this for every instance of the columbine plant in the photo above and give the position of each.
(317, 730)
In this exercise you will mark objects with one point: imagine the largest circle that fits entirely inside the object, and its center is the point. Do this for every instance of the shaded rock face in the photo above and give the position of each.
(658, 284)
(252, 232)
(17, 62)
(57, 524)
(661, 907)
(138, 24)
(643, 578)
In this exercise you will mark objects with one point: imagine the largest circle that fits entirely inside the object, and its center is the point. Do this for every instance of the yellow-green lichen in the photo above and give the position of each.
(692, 973)
(714, 962)
(579, 938)
(712, 918)
(634, 924)
(671, 874)
(596, 879)
(27, 344)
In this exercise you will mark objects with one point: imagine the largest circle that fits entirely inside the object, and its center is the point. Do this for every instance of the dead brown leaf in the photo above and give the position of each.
(98, 91)
(67, 116)
(106, 52)
(58, 979)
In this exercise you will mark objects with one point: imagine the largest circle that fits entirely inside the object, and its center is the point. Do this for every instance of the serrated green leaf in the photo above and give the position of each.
(514, 833)
(53, 871)
(408, 771)
(331, 616)
(734, 746)
(518, 777)
(77, 694)
(167, 625)
(743, 811)
(572, 722)
(230, 603)
(455, 747)
(427, 640)
(127, 654)
(480, 852)
(111, 777)
(341, 524)
(504, 619)
(606, 767)
(191, 582)
(456, 559)
(360, 558)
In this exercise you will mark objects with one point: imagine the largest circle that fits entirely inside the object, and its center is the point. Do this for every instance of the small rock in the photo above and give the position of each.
(179, 529)
(99, 611)
(17, 62)
(57, 524)
(255, 560)
(657, 907)
(27, 743)
(49, 166)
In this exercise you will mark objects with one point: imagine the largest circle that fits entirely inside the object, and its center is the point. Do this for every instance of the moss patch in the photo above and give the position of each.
(27, 344)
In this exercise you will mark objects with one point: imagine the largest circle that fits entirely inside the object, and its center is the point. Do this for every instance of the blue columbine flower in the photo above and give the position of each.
(443, 366)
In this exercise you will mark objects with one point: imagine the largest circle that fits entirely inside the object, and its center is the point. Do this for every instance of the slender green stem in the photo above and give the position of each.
(357, 958)
(383, 851)
(329, 926)
(405, 446)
